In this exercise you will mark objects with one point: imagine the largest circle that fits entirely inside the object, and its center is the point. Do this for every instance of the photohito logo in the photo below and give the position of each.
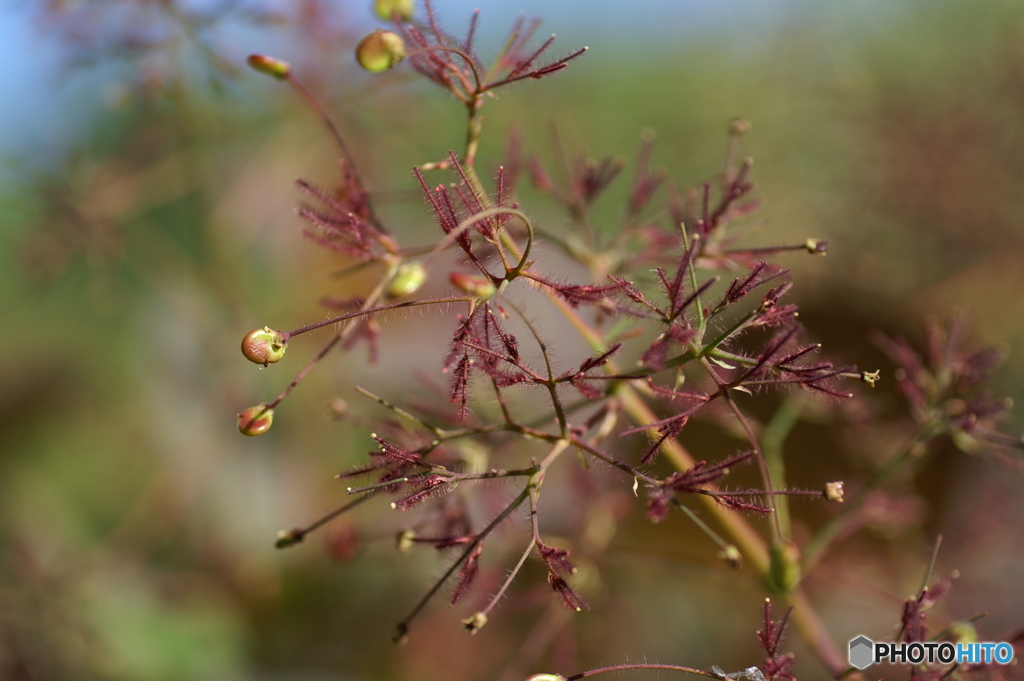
(864, 652)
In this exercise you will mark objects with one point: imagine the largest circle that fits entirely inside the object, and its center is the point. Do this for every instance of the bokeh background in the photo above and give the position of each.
(147, 223)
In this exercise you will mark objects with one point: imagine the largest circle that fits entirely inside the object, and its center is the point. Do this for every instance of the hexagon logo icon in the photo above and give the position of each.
(862, 652)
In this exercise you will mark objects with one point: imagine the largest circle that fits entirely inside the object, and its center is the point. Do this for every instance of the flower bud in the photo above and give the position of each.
(739, 126)
(408, 280)
(389, 9)
(785, 568)
(732, 556)
(275, 68)
(546, 677)
(963, 632)
(264, 346)
(475, 622)
(380, 50)
(286, 538)
(405, 540)
(473, 285)
(816, 246)
(834, 491)
(255, 420)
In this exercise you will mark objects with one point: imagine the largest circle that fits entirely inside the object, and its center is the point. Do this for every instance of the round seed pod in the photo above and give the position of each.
(380, 51)
(255, 420)
(264, 346)
(408, 280)
(389, 9)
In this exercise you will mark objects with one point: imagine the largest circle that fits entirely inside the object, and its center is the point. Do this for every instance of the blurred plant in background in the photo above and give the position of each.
(139, 522)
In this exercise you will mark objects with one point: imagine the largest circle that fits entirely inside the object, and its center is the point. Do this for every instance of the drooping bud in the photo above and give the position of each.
(275, 68)
(785, 568)
(264, 346)
(739, 126)
(732, 556)
(286, 538)
(816, 246)
(380, 50)
(255, 420)
(546, 677)
(390, 9)
(408, 280)
(475, 622)
(834, 491)
(480, 287)
(405, 540)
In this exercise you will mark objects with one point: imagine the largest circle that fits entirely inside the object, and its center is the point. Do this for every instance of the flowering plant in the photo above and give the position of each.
(685, 322)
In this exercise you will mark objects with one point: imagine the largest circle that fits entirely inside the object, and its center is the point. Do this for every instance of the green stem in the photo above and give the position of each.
(772, 439)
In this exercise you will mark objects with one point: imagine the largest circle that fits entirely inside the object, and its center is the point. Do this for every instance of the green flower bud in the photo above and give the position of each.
(387, 9)
(816, 246)
(732, 556)
(408, 280)
(380, 50)
(275, 68)
(784, 573)
(405, 541)
(963, 632)
(834, 491)
(255, 420)
(475, 622)
(264, 346)
(286, 538)
(473, 285)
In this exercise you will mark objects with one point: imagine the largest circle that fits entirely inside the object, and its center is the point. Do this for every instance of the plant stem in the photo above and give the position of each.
(342, 334)
(403, 626)
(646, 665)
(772, 438)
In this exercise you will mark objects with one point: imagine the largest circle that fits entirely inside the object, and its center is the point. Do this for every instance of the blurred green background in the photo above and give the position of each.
(147, 223)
